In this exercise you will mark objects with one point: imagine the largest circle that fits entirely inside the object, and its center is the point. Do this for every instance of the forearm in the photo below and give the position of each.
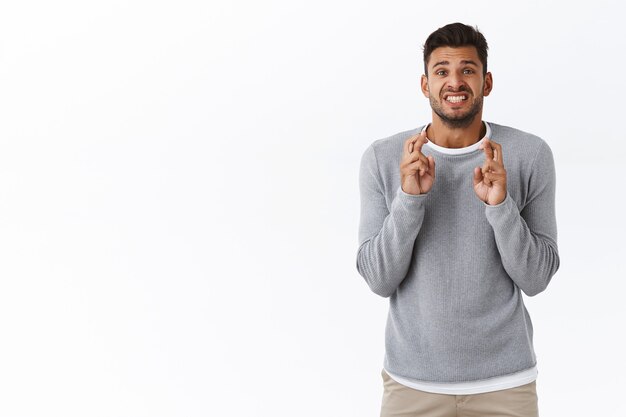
(529, 257)
(384, 258)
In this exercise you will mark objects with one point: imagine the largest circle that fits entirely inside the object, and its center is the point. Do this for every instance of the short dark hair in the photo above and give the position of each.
(456, 35)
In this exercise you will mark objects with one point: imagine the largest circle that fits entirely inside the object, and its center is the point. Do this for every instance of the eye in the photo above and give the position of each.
(468, 71)
(440, 72)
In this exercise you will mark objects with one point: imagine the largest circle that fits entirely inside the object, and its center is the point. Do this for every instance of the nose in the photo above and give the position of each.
(455, 82)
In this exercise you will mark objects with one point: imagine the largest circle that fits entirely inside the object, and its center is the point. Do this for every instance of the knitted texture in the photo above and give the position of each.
(453, 266)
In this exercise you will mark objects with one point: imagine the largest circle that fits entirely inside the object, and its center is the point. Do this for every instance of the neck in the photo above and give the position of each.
(448, 137)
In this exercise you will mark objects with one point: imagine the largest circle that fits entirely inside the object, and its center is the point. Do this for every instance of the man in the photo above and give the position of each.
(457, 220)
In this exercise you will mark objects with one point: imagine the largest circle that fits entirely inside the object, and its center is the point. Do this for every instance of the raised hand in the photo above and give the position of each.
(417, 173)
(490, 180)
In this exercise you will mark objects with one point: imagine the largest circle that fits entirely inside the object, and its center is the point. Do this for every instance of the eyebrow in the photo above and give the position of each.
(463, 62)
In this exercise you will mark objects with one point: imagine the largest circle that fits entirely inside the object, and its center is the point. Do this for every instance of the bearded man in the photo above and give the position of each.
(457, 221)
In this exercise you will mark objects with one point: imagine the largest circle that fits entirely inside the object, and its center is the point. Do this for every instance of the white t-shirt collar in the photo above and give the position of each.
(458, 151)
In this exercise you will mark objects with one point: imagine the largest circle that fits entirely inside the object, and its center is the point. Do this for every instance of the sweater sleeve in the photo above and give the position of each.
(527, 240)
(386, 235)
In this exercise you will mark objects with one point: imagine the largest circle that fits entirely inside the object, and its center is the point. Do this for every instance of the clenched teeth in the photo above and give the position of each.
(456, 99)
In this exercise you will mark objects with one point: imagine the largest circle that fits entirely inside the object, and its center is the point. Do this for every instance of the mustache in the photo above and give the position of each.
(461, 89)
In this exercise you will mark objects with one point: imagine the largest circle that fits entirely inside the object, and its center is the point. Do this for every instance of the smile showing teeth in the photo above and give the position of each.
(456, 99)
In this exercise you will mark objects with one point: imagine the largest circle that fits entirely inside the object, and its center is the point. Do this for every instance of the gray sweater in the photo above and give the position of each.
(452, 265)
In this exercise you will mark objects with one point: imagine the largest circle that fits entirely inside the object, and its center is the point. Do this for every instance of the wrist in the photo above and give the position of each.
(498, 203)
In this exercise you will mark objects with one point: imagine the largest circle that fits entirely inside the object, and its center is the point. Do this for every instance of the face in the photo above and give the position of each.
(455, 85)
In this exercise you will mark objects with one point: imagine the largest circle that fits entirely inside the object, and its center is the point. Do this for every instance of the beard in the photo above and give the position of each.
(457, 121)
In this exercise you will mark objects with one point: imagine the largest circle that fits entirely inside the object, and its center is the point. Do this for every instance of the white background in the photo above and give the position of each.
(179, 198)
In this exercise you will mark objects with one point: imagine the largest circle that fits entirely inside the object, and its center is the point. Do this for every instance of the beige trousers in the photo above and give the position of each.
(402, 401)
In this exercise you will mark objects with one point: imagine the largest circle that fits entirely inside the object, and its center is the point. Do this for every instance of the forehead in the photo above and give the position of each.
(454, 55)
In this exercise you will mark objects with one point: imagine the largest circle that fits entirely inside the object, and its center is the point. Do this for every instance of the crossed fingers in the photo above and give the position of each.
(493, 167)
(413, 152)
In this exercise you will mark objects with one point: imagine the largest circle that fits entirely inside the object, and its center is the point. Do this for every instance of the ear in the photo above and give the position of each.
(424, 83)
(488, 85)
